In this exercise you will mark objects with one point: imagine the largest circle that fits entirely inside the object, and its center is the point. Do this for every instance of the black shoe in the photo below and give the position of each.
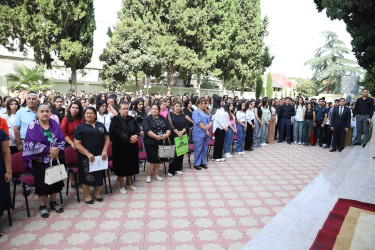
(373, 157)
(314, 144)
(197, 167)
(73, 185)
(357, 143)
(203, 166)
(289, 143)
(249, 149)
(279, 141)
(89, 202)
(100, 199)
(363, 145)
(333, 150)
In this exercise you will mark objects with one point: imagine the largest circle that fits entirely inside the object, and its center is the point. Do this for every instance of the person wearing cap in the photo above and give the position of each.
(24, 117)
(363, 112)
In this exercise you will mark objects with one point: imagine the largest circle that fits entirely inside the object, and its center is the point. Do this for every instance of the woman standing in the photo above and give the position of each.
(44, 142)
(124, 132)
(201, 134)
(266, 118)
(308, 124)
(5, 175)
(273, 121)
(12, 106)
(91, 139)
(250, 117)
(298, 121)
(258, 123)
(103, 115)
(179, 126)
(220, 127)
(241, 127)
(188, 112)
(156, 129)
(229, 135)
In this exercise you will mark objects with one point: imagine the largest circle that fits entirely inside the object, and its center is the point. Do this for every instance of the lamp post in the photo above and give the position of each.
(147, 86)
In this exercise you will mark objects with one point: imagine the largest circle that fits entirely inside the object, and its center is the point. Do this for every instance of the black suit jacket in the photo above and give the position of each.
(342, 121)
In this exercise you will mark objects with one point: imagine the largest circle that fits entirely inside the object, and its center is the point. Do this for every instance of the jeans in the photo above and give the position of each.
(307, 129)
(284, 129)
(362, 128)
(297, 130)
(228, 140)
(241, 133)
(264, 132)
(256, 134)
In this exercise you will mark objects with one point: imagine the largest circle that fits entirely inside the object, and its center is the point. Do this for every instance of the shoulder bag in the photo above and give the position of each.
(55, 173)
(166, 151)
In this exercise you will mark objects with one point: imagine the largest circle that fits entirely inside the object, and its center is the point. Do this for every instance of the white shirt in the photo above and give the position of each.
(220, 119)
(250, 116)
(299, 113)
(10, 122)
(240, 115)
(105, 119)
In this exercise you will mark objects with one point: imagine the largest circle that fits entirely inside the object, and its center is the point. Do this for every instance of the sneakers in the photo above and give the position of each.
(130, 187)
(295, 142)
(217, 160)
(148, 179)
(179, 172)
(300, 143)
(228, 155)
(170, 175)
(263, 144)
(158, 177)
(222, 159)
(123, 190)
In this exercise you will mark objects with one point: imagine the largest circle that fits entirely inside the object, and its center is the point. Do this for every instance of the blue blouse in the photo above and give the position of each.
(198, 117)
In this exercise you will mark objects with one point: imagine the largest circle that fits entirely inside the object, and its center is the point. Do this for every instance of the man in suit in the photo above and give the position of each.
(340, 125)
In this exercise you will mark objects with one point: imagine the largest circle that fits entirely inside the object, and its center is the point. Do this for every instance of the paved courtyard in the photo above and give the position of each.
(222, 207)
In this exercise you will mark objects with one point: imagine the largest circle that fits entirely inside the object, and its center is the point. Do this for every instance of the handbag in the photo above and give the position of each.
(55, 173)
(166, 151)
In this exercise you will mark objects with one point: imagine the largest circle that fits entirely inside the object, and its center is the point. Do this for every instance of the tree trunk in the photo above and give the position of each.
(199, 83)
(74, 78)
(225, 85)
(136, 83)
(329, 84)
(170, 77)
(233, 87)
(242, 86)
(37, 57)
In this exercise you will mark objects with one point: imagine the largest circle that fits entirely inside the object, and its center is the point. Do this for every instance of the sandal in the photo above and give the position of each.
(54, 206)
(43, 211)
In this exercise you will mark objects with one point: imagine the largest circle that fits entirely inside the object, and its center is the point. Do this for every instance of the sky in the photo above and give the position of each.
(295, 32)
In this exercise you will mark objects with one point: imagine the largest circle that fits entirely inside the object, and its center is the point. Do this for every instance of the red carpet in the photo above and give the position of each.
(328, 235)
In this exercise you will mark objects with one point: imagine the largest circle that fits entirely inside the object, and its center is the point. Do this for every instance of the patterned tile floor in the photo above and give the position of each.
(222, 207)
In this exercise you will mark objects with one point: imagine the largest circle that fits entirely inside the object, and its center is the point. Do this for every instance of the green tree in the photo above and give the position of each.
(269, 86)
(330, 63)
(30, 78)
(29, 24)
(127, 53)
(267, 59)
(259, 86)
(305, 87)
(76, 20)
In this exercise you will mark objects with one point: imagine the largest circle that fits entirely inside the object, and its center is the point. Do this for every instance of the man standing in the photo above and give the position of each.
(24, 117)
(363, 112)
(321, 114)
(286, 111)
(340, 125)
(58, 107)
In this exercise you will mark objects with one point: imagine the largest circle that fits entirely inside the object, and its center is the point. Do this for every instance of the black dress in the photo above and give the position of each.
(93, 140)
(159, 126)
(125, 155)
(178, 122)
(5, 200)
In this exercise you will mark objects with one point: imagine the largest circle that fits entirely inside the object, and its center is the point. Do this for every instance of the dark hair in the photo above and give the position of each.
(69, 116)
(6, 97)
(93, 99)
(240, 106)
(186, 103)
(217, 100)
(264, 101)
(364, 89)
(9, 102)
(311, 105)
(135, 105)
(93, 110)
(337, 100)
(99, 104)
(46, 102)
(57, 97)
(230, 113)
(342, 98)
(257, 102)
(270, 103)
(157, 105)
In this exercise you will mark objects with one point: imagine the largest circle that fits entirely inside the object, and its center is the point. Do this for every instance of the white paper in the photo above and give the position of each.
(98, 164)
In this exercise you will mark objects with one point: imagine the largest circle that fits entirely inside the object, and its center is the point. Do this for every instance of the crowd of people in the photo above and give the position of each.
(43, 125)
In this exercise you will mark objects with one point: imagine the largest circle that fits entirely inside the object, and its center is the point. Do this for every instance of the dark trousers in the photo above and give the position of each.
(339, 138)
(176, 164)
(327, 135)
(219, 143)
(318, 131)
(249, 137)
(284, 132)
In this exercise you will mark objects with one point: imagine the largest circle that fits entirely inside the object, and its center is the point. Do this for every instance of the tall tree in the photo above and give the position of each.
(259, 87)
(29, 24)
(330, 62)
(77, 21)
(127, 53)
(269, 86)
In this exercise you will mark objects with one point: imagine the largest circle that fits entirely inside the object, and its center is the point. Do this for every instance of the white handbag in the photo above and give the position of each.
(166, 151)
(55, 173)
